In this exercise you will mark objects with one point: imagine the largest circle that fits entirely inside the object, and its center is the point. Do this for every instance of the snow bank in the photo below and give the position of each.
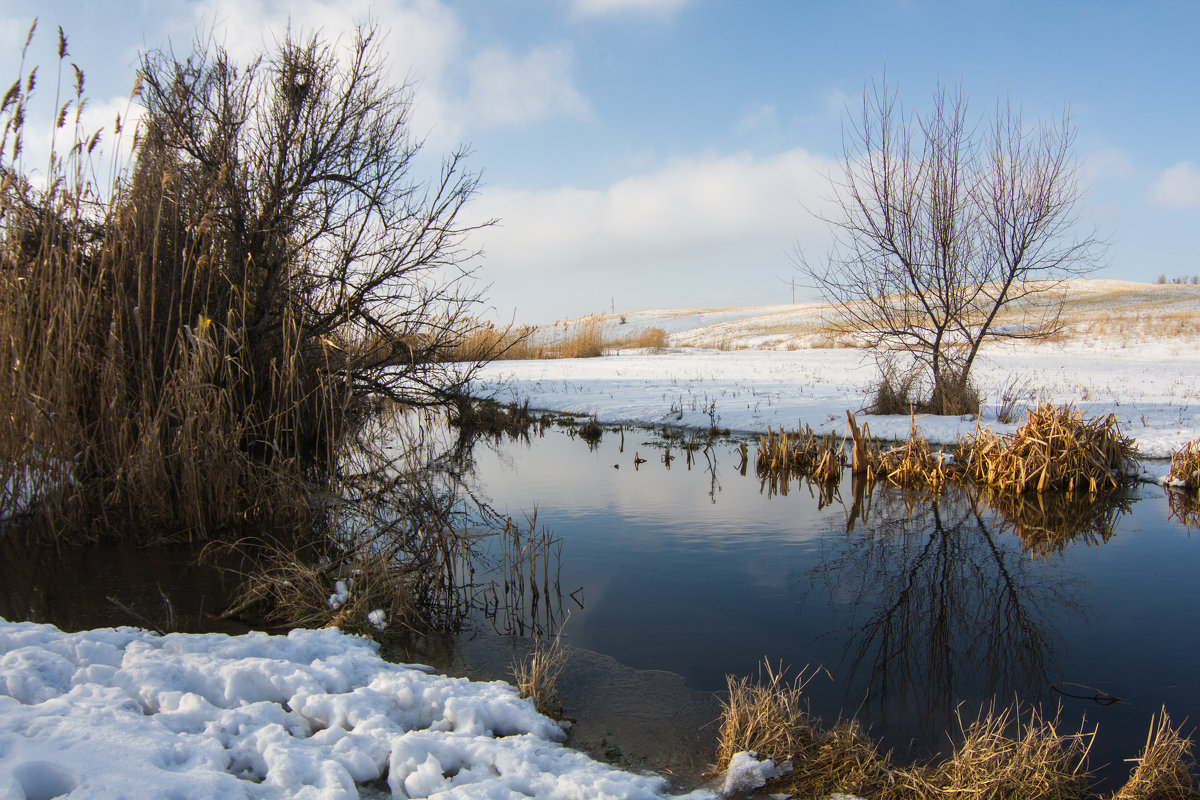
(314, 714)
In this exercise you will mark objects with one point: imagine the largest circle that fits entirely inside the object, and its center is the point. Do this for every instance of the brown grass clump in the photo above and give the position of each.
(537, 675)
(1055, 449)
(800, 454)
(1003, 754)
(1185, 468)
(913, 463)
(1164, 770)
(1002, 757)
(766, 716)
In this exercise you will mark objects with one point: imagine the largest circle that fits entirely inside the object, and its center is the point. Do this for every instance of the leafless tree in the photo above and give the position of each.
(942, 224)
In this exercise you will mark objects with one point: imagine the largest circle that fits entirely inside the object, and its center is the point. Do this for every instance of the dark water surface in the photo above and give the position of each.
(922, 604)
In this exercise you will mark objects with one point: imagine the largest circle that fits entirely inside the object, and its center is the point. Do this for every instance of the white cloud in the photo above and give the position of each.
(1109, 163)
(1177, 187)
(509, 89)
(424, 43)
(593, 8)
(691, 226)
(758, 117)
(421, 40)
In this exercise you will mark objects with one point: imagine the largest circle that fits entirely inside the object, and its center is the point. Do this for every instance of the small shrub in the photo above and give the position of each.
(895, 393)
(953, 396)
(1012, 393)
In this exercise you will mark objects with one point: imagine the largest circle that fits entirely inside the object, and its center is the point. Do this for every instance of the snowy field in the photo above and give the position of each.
(1131, 349)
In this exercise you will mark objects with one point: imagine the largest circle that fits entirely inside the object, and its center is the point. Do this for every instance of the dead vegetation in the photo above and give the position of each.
(1055, 449)
(1165, 769)
(589, 337)
(537, 674)
(800, 455)
(1002, 753)
(1185, 469)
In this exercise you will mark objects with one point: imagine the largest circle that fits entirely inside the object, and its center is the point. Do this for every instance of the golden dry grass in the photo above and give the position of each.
(537, 674)
(589, 337)
(1006, 754)
(1054, 449)
(800, 454)
(1185, 468)
(1002, 753)
(767, 716)
(1164, 769)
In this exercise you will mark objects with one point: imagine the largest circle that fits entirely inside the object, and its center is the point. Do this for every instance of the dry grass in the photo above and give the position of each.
(1004, 756)
(537, 674)
(1003, 753)
(801, 454)
(1055, 449)
(1164, 770)
(582, 338)
(767, 716)
(654, 339)
(1185, 468)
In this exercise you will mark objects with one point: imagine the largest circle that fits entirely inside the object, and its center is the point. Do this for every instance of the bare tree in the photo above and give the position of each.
(942, 224)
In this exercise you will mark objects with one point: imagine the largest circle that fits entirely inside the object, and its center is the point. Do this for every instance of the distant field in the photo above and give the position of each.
(1122, 310)
(1128, 349)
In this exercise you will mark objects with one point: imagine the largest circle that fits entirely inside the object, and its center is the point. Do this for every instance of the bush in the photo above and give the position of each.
(196, 349)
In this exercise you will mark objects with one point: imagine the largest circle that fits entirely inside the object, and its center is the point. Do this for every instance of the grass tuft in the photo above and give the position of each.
(538, 673)
(1164, 770)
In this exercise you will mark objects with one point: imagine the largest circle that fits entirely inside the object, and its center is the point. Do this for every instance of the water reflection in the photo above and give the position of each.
(943, 607)
(1048, 523)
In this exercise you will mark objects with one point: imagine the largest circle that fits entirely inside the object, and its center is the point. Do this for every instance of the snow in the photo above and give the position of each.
(314, 714)
(747, 771)
(1153, 387)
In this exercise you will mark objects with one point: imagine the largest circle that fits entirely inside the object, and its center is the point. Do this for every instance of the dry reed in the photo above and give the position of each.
(1054, 449)
(800, 454)
(1164, 770)
(1185, 468)
(537, 674)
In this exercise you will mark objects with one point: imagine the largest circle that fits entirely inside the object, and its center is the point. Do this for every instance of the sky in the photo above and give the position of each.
(641, 154)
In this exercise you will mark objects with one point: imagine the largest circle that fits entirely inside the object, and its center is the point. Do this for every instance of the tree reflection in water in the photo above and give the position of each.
(947, 607)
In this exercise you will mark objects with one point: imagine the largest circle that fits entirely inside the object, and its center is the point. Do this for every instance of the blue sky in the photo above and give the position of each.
(662, 153)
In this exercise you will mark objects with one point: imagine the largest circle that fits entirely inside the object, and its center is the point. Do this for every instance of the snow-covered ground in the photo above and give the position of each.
(123, 713)
(1120, 356)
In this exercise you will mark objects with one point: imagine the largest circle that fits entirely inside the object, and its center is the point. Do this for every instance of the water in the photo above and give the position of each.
(924, 604)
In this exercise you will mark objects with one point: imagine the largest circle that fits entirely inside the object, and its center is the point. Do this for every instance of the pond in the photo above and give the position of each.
(903, 606)
(676, 569)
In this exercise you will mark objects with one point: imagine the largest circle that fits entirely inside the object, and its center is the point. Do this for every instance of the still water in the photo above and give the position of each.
(911, 606)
